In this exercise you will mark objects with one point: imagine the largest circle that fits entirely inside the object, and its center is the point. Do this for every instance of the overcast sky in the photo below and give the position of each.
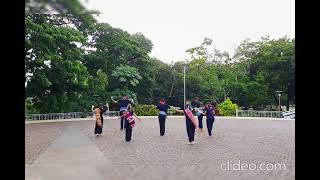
(177, 25)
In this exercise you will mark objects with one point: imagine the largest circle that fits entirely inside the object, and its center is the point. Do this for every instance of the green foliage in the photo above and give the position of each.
(63, 75)
(128, 76)
(146, 110)
(250, 77)
(228, 108)
(143, 42)
(55, 74)
(167, 76)
(29, 107)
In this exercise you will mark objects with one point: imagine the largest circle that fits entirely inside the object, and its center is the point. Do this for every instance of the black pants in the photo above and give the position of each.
(200, 117)
(122, 119)
(210, 125)
(190, 129)
(128, 130)
(162, 123)
(97, 128)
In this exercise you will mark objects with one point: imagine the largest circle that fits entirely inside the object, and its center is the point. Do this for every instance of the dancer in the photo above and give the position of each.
(98, 110)
(191, 122)
(209, 112)
(163, 108)
(129, 121)
(197, 106)
(123, 106)
(200, 115)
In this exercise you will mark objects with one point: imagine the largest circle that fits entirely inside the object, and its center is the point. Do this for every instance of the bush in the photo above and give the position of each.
(146, 110)
(227, 108)
(29, 107)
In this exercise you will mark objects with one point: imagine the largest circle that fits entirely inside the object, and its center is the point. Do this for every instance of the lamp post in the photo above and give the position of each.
(184, 86)
(279, 101)
(288, 96)
(279, 95)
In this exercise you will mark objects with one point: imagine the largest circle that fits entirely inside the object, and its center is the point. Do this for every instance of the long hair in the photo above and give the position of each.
(130, 107)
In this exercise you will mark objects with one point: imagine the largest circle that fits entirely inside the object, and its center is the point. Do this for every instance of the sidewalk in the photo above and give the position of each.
(71, 156)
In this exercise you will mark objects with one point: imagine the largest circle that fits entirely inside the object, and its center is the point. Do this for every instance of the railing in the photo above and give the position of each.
(253, 113)
(70, 115)
(289, 114)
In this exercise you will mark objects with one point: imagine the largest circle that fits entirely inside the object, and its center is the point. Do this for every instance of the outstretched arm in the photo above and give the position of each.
(179, 110)
(113, 100)
(134, 114)
(172, 107)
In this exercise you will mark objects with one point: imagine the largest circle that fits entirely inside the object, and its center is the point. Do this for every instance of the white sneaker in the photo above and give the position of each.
(191, 143)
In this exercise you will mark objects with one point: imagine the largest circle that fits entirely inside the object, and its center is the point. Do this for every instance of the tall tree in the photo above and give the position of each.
(143, 42)
(55, 75)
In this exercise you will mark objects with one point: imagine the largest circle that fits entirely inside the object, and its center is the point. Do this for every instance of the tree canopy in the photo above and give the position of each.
(71, 59)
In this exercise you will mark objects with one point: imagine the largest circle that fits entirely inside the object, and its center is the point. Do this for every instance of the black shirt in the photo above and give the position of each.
(210, 112)
(163, 107)
(123, 103)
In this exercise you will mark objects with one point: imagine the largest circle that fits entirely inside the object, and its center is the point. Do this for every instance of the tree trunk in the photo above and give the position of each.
(174, 79)
(171, 90)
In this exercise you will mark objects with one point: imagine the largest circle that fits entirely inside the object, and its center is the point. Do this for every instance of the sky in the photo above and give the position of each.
(174, 26)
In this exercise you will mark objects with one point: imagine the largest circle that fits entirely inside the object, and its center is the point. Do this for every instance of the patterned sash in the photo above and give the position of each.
(190, 115)
(129, 118)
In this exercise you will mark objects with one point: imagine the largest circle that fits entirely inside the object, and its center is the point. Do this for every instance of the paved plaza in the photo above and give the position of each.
(70, 151)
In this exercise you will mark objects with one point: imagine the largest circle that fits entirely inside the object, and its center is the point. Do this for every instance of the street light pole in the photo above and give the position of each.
(279, 99)
(184, 86)
(288, 97)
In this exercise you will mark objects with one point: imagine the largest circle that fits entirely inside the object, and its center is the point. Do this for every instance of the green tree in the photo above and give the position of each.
(127, 76)
(143, 42)
(55, 75)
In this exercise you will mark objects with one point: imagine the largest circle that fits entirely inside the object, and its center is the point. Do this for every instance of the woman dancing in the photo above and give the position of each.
(123, 106)
(209, 112)
(191, 122)
(129, 121)
(99, 110)
(163, 110)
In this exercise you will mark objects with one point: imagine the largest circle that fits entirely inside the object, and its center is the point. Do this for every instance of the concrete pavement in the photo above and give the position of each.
(77, 154)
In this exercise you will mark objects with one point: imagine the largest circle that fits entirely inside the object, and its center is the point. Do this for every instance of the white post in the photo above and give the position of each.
(184, 86)
(279, 102)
